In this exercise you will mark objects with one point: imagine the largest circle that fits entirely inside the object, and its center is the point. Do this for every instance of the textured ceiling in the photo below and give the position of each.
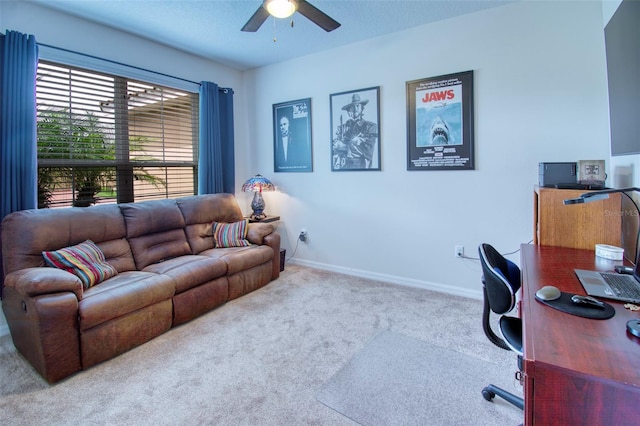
(211, 28)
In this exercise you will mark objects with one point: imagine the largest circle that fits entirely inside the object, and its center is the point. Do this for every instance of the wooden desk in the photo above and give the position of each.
(577, 371)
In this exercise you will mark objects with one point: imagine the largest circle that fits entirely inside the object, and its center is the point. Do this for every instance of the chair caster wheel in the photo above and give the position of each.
(487, 394)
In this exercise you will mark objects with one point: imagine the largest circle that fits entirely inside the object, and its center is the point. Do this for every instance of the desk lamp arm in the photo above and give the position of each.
(603, 194)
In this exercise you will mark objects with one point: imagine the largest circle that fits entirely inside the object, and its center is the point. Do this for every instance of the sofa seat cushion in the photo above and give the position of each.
(120, 295)
(241, 258)
(190, 271)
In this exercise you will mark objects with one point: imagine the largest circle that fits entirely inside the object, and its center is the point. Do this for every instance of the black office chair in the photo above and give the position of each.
(500, 282)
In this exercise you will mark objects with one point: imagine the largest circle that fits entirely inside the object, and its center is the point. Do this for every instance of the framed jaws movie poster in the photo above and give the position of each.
(440, 123)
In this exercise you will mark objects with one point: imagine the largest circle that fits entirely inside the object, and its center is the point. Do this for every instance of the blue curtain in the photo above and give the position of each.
(216, 163)
(18, 140)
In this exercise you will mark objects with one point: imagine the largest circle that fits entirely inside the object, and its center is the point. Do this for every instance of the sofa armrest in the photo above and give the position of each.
(30, 282)
(257, 232)
(273, 241)
(45, 330)
(264, 234)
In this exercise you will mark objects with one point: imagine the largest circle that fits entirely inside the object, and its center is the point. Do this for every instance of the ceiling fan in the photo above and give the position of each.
(286, 8)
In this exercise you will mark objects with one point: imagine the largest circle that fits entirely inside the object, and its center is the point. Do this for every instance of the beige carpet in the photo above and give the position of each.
(261, 359)
(399, 380)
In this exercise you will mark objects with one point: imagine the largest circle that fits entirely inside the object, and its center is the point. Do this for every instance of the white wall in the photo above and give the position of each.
(540, 95)
(58, 29)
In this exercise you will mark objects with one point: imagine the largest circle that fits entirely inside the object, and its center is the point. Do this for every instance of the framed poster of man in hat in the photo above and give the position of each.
(355, 130)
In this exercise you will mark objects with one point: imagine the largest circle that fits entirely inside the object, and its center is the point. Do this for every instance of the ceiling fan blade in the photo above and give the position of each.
(316, 16)
(258, 18)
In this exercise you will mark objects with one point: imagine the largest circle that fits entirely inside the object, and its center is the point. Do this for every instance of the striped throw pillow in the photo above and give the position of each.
(84, 260)
(231, 234)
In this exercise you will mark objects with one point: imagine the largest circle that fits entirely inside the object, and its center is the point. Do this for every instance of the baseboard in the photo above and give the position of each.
(392, 279)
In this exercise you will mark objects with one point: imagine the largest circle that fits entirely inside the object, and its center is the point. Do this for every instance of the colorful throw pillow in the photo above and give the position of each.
(231, 234)
(84, 260)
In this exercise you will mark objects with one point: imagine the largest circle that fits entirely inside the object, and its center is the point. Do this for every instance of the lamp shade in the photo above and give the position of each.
(258, 183)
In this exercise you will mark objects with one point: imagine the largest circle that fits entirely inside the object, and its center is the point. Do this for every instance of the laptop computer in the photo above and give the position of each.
(611, 285)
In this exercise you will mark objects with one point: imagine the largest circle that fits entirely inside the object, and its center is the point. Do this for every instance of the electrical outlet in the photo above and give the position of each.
(303, 235)
(459, 251)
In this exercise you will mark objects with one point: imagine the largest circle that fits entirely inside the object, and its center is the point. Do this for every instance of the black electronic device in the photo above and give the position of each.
(558, 175)
(624, 269)
(587, 301)
(623, 67)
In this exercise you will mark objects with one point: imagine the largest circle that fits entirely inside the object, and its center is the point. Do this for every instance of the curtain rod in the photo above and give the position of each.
(125, 65)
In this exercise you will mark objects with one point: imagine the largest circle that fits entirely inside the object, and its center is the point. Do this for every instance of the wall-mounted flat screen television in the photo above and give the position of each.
(622, 41)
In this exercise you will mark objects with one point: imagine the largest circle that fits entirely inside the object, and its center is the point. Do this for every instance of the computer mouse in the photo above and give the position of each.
(587, 301)
(548, 292)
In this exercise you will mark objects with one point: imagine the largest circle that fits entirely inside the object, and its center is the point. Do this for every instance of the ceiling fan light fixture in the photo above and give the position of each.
(281, 8)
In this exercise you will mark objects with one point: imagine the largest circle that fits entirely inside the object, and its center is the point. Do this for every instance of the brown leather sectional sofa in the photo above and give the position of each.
(169, 272)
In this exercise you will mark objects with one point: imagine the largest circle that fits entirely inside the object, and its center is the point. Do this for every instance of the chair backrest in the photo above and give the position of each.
(501, 279)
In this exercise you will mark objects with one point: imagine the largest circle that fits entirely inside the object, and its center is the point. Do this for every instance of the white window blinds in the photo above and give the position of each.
(104, 138)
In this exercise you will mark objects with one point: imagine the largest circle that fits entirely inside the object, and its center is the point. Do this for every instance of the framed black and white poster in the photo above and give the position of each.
(440, 123)
(355, 130)
(292, 145)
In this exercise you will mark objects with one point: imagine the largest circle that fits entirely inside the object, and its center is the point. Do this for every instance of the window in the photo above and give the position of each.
(104, 138)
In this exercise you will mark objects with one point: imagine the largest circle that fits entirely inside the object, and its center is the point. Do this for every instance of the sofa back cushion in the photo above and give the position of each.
(200, 211)
(155, 230)
(27, 233)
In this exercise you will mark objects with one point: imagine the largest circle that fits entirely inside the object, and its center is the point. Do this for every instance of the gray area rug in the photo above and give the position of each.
(399, 380)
